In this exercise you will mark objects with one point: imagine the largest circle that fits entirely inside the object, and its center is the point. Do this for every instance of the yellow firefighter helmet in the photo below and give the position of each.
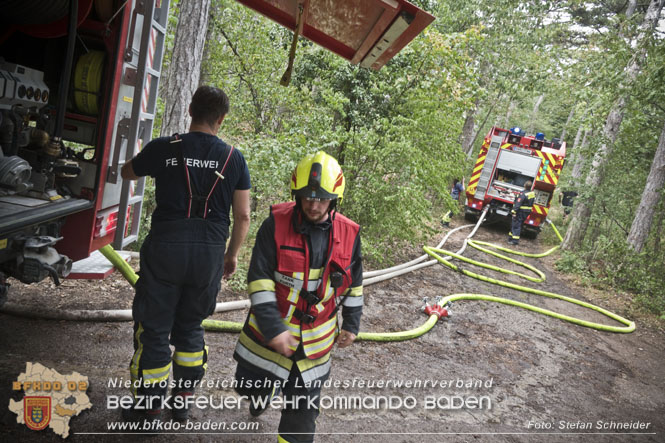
(318, 176)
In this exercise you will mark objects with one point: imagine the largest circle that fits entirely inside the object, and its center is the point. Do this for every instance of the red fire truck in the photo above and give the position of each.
(77, 98)
(507, 159)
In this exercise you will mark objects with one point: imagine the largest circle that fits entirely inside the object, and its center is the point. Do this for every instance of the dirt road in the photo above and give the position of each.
(488, 373)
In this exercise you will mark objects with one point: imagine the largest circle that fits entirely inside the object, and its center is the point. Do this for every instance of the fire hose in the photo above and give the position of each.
(439, 309)
(436, 253)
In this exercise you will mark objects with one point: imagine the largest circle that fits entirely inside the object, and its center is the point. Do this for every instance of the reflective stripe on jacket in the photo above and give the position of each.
(293, 275)
(524, 201)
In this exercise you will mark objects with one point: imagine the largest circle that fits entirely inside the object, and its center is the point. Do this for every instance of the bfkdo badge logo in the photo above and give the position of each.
(37, 412)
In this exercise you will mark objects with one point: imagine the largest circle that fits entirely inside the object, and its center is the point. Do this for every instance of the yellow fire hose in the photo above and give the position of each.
(439, 308)
(629, 325)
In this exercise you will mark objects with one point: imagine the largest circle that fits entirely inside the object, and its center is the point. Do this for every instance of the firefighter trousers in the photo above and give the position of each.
(516, 225)
(300, 408)
(179, 279)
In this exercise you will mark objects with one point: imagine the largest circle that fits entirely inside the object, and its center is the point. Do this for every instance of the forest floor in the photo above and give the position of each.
(489, 372)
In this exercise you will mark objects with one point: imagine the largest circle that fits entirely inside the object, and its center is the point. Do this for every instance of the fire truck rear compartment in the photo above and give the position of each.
(45, 174)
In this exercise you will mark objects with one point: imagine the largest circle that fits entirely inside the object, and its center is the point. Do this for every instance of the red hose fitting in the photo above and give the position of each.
(437, 310)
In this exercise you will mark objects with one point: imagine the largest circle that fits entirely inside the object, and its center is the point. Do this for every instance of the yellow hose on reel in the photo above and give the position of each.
(88, 81)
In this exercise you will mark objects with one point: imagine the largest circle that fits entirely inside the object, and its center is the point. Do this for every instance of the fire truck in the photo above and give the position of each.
(507, 160)
(78, 92)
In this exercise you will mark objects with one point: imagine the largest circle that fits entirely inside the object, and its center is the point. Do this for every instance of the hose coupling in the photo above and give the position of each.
(437, 310)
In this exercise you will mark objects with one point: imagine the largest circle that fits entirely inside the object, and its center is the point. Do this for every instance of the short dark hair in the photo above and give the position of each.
(528, 184)
(208, 105)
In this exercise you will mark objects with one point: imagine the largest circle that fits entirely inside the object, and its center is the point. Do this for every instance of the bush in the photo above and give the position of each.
(614, 265)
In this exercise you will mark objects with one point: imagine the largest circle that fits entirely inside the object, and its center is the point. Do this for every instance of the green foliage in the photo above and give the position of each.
(396, 132)
(572, 264)
(609, 263)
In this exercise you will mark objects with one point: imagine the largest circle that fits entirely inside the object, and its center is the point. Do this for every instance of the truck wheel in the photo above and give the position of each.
(530, 233)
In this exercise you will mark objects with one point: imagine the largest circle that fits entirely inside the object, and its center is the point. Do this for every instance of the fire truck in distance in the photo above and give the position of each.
(507, 160)
(78, 91)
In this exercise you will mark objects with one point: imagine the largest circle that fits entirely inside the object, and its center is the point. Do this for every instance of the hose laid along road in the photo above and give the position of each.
(439, 311)
(435, 311)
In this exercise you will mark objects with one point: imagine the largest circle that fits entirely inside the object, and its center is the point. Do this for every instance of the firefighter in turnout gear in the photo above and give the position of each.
(521, 209)
(306, 265)
(198, 179)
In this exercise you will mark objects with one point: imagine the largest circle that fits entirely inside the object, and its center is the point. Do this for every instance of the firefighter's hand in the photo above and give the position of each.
(280, 343)
(230, 265)
(345, 338)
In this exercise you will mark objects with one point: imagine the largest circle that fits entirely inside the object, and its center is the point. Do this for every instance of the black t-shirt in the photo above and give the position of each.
(204, 154)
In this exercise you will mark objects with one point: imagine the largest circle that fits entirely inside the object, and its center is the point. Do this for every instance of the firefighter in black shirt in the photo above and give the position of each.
(566, 199)
(198, 178)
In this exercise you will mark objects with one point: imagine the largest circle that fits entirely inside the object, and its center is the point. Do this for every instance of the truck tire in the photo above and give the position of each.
(530, 233)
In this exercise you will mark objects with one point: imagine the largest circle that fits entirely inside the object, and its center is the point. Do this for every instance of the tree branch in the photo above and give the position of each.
(614, 219)
(243, 78)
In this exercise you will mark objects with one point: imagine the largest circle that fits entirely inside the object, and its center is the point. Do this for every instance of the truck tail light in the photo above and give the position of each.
(105, 224)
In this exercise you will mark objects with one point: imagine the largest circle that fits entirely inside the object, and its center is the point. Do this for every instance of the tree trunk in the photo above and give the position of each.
(630, 9)
(467, 129)
(570, 117)
(639, 231)
(211, 37)
(574, 152)
(576, 174)
(658, 235)
(480, 128)
(534, 114)
(509, 112)
(582, 212)
(182, 77)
